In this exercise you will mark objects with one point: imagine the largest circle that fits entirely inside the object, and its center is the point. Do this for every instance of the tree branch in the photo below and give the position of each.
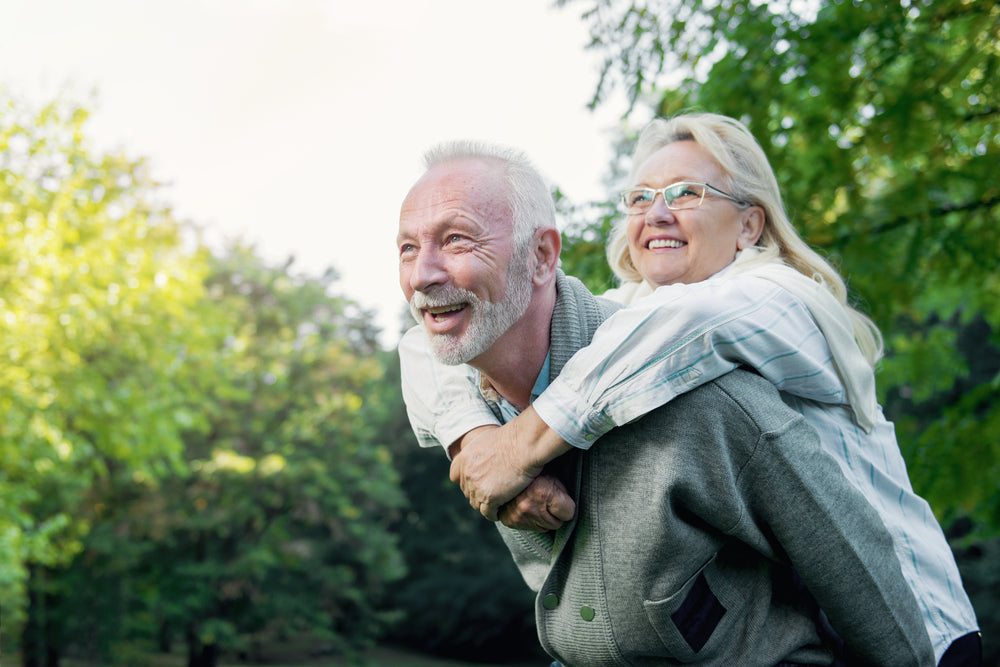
(843, 239)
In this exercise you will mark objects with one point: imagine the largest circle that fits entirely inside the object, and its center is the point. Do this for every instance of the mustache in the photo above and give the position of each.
(445, 295)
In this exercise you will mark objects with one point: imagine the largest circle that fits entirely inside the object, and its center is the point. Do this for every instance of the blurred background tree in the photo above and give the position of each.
(277, 535)
(190, 442)
(99, 305)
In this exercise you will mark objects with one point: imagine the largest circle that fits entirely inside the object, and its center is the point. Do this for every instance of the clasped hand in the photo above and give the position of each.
(501, 481)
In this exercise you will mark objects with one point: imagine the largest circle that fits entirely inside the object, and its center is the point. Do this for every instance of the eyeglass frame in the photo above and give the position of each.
(663, 193)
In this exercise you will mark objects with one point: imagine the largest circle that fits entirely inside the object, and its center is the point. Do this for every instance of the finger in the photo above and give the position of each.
(511, 518)
(528, 513)
(455, 472)
(561, 506)
(488, 511)
(539, 523)
(546, 522)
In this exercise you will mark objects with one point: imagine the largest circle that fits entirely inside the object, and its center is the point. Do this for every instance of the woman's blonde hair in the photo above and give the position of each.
(749, 178)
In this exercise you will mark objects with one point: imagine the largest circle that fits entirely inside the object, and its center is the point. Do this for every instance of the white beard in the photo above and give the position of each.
(488, 320)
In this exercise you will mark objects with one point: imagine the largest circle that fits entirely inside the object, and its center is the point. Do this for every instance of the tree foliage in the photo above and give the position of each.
(98, 310)
(276, 529)
(882, 121)
(292, 490)
(191, 446)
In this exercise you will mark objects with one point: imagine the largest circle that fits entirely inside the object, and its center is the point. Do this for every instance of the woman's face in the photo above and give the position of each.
(691, 245)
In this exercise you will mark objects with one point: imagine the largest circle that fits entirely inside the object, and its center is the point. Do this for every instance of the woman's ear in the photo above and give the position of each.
(546, 245)
(751, 227)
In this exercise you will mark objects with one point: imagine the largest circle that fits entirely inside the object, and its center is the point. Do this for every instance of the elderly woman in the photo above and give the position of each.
(717, 278)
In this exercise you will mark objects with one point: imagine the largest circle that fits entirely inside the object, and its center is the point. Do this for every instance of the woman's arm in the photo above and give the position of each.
(682, 337)
(644, 356)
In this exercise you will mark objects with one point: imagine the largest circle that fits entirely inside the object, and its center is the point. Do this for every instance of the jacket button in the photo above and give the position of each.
(550, 601)
(587, 613)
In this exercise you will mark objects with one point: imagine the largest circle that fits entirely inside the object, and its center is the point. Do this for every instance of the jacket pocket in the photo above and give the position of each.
(694, 622)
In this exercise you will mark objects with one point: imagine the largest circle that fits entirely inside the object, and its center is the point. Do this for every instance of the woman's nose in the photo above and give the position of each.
(659, 212)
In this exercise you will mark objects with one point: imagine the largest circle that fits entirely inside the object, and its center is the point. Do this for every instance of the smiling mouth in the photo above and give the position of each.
(441, 313)
(664, 243)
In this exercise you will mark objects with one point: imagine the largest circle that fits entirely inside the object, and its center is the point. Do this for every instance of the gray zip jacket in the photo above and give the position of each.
(712, 531)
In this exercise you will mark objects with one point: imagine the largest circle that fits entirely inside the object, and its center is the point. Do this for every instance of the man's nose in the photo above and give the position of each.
(428, 270)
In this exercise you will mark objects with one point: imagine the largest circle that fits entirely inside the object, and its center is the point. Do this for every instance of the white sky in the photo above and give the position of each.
(299, 125)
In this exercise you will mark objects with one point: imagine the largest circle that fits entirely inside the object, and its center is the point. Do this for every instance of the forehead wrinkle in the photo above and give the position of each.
(470, 189)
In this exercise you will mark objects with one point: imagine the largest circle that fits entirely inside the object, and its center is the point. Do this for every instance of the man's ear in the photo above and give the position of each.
(752, 227)
(546, 245)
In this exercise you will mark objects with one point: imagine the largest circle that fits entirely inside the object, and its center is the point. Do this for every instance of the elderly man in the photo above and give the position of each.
(715, 530)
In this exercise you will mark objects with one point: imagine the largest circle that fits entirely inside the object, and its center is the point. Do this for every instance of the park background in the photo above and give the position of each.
(204, 457)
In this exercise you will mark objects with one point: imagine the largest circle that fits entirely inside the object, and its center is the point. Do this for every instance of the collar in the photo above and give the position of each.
(507, 410)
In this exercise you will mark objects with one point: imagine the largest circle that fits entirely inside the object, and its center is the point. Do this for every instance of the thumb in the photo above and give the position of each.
(559, 503)
(561, 506)
(455, 472)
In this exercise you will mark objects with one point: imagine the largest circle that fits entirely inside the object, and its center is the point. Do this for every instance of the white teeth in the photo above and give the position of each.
(441, 310)
(664, 243)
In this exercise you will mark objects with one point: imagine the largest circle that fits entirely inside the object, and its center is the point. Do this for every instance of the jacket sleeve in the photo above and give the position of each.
(442, 402)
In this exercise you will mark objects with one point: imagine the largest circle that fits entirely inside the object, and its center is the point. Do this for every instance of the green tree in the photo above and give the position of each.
(189, 445)
(98, 311)
(310, 550)
(278, 533)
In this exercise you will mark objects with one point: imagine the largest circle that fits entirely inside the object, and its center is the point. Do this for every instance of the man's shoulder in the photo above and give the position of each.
(740, 397)
(603, 306)
(726, 419)
(576, 316)
(755, 397)
(608, 306)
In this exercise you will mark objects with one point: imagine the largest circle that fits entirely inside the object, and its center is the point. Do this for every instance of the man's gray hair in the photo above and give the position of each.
(528, 195)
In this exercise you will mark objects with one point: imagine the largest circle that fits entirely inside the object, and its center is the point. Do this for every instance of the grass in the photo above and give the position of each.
(378, 657)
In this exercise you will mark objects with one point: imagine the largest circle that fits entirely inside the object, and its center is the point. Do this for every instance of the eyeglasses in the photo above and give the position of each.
(678, 196)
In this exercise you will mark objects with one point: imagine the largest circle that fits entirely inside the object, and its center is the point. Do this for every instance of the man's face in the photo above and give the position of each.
(458, 264)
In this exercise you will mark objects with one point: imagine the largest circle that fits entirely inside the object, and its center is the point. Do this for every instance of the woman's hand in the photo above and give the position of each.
(494, 465)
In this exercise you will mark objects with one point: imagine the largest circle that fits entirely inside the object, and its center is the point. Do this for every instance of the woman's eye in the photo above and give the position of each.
(681, 193)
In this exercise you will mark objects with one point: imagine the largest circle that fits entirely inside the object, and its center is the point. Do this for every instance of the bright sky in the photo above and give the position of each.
(299, 125)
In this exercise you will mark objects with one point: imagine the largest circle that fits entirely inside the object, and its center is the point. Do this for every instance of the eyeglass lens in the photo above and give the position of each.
(677, 196)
